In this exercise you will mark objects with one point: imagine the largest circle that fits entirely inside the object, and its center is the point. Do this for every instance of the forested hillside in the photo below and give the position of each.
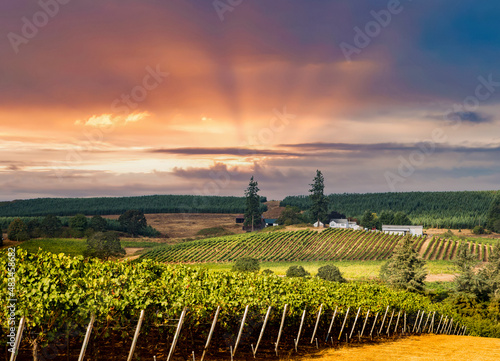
(431, 209)
(118, 205)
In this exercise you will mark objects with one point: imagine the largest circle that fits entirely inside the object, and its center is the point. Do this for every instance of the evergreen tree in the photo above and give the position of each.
(319, 202)
(253, 213)
(34, 228)
(493, 222)
(405, 269)
(370, 221)
(469, 281)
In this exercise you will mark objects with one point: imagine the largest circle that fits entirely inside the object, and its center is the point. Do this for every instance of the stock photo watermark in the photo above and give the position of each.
(364, 35)
(124, 109)
(31, 25)
(12, 300)
(221, 179)
(454, 118)
(223, 6)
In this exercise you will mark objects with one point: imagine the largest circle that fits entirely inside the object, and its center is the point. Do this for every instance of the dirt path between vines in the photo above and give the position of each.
(421, 348)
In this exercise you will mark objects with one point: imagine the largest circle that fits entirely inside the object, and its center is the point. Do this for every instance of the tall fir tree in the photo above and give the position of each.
(253, 214)
(405, 269)
(319, 207)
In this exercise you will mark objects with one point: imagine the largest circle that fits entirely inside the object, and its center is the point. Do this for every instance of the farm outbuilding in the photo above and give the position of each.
(343, 223)
(240, 218)
(271, 222)
(319, 224)
(403, 230)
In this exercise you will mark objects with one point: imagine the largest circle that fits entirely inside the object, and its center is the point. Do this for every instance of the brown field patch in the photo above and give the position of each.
(421, 348)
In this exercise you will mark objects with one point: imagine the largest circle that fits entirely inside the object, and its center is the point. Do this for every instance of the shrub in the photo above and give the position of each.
(246, 264)
(267, 272)
(478, 230)
(330, 273)
(296, 271)
(448, 233)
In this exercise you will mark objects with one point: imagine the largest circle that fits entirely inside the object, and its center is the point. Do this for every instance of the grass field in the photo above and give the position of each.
(72, 246)
(350, 269)
(421, 348)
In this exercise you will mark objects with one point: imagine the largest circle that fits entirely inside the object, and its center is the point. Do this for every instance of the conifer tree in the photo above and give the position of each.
(405, 269)
(319, 206)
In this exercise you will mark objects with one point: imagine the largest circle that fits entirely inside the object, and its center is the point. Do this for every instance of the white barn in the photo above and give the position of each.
(403, 230)
(343, 223)
(320, 224)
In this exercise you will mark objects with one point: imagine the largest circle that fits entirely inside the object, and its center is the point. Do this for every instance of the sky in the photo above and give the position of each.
(139, 97)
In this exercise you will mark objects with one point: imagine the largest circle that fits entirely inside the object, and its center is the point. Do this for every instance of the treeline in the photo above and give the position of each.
(464, 209)
(118, 205)
(50, 226)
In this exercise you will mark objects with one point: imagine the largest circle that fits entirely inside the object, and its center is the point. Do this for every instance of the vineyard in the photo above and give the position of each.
(148, 307)
(332, 244)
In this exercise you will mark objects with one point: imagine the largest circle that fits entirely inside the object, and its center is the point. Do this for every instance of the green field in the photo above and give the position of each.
(356, 270)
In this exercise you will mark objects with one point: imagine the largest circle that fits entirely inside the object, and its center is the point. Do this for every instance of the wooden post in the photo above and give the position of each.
(445, 322)
(136, 336)
(261, 332)
(87, 338)
(421, 319)
(364, 325)
(374, 323)
(431, 326)
(404, 326)
(397, 322)
(426, 321)
(214, 322)
(390, 322)
(331, 324)
(241, 330)
(383, 320)
(281, 329)
(439, 324)
(343, 324)
(300, 329)
(448, 330)
(17, 342)
(355, 320)
(416, 321)
(317, 323)
(177, 333)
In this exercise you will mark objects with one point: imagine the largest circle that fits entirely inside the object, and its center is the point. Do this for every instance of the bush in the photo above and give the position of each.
(267, 272)
(296, 271)
(330, 273)
(448, 233)
(478, 230)
(246, 264)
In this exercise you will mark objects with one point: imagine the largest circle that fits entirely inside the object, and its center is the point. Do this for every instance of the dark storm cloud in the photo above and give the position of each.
(244, 152)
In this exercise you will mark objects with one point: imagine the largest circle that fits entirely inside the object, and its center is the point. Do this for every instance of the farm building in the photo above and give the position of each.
(343, 223)
(271, 222)
(240, 218)
(320, 224)
(403, 230)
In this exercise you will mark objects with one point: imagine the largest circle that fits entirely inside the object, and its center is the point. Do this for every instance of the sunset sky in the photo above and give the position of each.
(136, 97)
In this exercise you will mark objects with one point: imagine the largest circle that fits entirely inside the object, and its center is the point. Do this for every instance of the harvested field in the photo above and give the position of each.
(421, 348)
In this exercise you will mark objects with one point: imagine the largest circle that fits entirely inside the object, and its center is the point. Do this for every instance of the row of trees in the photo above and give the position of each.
(432, 209)
(133, 222)
(118, 205)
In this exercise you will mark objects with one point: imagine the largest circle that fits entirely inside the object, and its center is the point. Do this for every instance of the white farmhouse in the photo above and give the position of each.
(343, 223)
(403, 230)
